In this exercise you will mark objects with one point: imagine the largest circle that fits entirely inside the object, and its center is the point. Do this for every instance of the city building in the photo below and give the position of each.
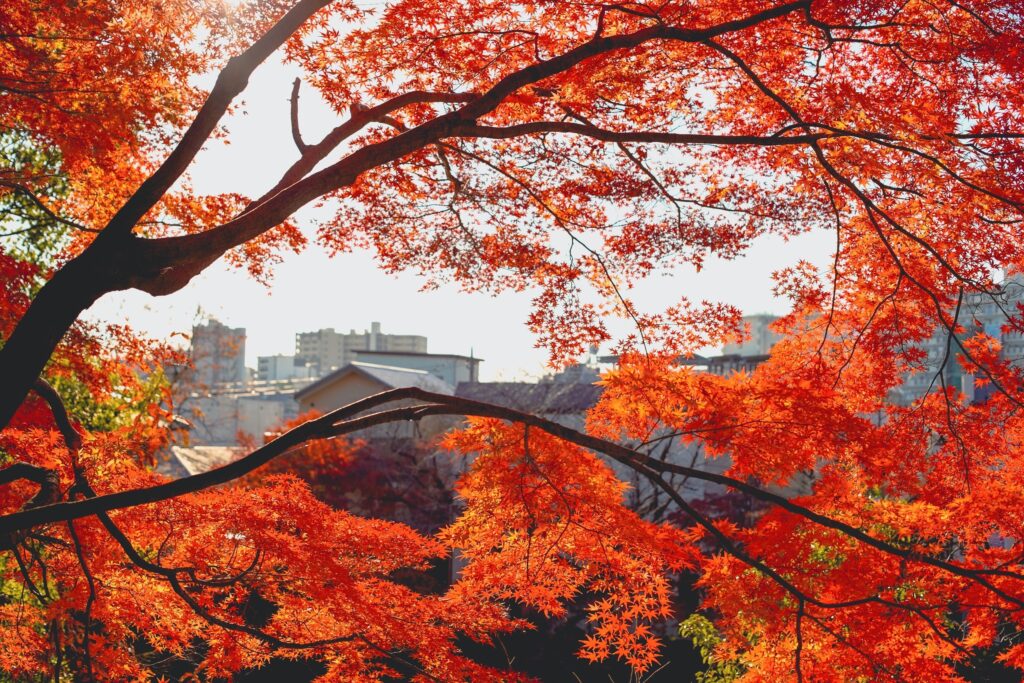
(450, 368)
(723, 365)
(222, 402)
(587, 371)
(988, 313)
(218, 354)
(326, 350)
(278, 367)
(726, 364)
(359, 380)
(220, 416)
(761, 340)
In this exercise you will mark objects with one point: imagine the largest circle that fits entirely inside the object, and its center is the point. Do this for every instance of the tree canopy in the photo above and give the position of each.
(572, 149)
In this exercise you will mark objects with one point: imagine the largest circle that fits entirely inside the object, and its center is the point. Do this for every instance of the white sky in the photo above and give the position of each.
(311, 291)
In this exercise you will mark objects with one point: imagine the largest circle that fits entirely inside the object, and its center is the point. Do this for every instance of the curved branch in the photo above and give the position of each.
(117, 259)
(45, 391)
(171, 575)
(349, 419)
(359, 119)
(176, 260)
(48, 480)
(34, 198)
(49, 488)
(605, 135)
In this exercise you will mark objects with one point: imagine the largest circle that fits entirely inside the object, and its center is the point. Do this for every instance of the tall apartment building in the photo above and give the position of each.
(326, 350)
(762, 338)
(218, 353)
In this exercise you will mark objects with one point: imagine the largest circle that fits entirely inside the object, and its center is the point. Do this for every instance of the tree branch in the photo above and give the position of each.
(590, 131)
(178, 259)
(45, 390)
(34, 198)
(118, 260)
(233, 79)
(296, 133)
(348, 419)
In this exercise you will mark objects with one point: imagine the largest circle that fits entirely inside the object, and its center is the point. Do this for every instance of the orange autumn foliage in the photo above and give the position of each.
(569, 150)
(545, 522)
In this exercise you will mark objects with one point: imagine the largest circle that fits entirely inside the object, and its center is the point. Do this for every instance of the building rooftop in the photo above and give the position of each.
(547, 397)
(386, 374)
(185, 461)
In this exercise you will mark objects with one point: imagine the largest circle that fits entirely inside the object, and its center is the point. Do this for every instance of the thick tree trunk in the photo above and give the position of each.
(52, 312)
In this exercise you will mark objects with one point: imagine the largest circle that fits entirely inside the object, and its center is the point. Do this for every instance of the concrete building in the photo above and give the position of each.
(322, 350)
(762, 338)
(327, 350)
(978, 313)
(218, 354)
(217, 417)
(724, 365)
(450, 368)
(359, 380)
(280, 367)
(577, 373)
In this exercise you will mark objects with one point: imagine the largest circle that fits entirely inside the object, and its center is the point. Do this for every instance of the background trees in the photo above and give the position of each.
(475, 141)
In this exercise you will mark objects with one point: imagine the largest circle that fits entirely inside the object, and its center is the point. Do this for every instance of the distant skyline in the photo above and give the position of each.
(311, 291)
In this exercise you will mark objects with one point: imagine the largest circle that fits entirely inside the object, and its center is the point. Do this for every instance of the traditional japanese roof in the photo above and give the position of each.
(185, 461)
(387, 375)
(546, 397)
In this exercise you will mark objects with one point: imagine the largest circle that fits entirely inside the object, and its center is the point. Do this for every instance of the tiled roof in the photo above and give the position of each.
(547, 397)
(185, 461)
(389, 376)
(405, 377)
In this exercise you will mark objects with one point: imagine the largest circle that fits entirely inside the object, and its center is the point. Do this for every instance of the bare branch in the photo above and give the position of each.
(45, 390)
(591, 131)
(296, 133)
(34, 198)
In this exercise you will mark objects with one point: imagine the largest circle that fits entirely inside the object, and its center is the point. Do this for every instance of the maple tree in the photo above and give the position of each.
(573, 148)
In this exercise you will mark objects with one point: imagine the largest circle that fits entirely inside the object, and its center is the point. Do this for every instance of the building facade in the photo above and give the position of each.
(326, 350)
(218, 354)
(985, 313)
(358, 380)
(221, 416)
(281, 367)
(761, 340)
